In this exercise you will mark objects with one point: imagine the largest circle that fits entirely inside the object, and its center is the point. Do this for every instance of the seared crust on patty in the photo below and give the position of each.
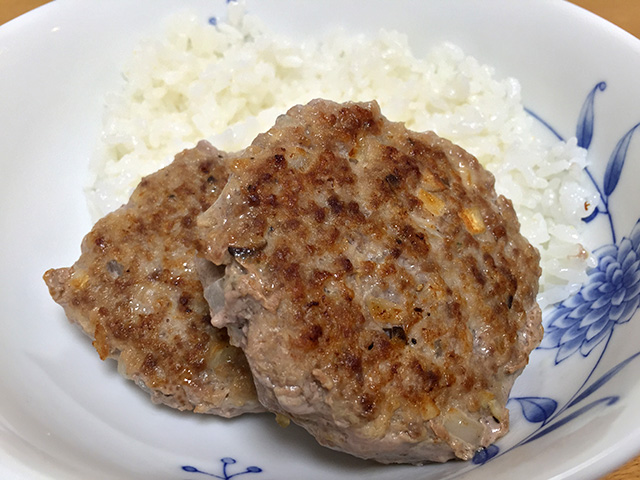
(135, 291)
(379, 287)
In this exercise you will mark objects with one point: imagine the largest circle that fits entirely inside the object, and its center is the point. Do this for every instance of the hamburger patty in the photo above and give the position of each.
(135, 291)
(379, 287)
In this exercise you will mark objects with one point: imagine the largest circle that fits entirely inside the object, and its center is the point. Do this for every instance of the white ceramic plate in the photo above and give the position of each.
(65, 414)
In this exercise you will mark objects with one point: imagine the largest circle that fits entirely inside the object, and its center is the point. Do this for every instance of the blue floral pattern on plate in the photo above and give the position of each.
(609, 298)
(225, 474)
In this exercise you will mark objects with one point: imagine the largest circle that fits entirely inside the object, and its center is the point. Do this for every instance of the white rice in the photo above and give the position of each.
(227, 83)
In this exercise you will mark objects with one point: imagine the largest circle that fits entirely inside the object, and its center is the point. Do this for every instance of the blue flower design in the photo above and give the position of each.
(483, 455)
(225, 475)
(609, 297)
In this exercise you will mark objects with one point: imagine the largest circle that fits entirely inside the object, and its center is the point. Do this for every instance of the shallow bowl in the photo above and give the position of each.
(64, 414)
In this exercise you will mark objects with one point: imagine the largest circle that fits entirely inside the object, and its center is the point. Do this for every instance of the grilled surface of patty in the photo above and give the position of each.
(379, 287)
(135, 291)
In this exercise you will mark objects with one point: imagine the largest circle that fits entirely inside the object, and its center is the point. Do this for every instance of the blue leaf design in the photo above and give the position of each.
(634, 236)
(603, 379)
(537, 409)
(607, 400)
(584, 129)
(616, 162)
(483, 455)
(592, 216)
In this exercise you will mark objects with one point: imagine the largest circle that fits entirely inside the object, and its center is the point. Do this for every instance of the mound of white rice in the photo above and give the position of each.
(228, 82)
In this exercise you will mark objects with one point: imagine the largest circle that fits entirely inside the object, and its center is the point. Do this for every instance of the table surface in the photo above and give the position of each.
(624, 13)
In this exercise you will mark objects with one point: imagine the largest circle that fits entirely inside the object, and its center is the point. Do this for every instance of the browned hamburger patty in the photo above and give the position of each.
(135, 291)
(379, 287)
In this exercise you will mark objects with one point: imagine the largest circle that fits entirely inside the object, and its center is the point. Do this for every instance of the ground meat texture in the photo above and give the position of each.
(379, 287)
(135, 291)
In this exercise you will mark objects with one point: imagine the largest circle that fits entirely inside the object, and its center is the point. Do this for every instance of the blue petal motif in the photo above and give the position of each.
(602, 401)
(635, 237)
(584, 129)
(483, 455)
(567, 349)
(616, 162)
(544, 410)
(537, 409)
(610, 297)
(225, 475)
(592, 342)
